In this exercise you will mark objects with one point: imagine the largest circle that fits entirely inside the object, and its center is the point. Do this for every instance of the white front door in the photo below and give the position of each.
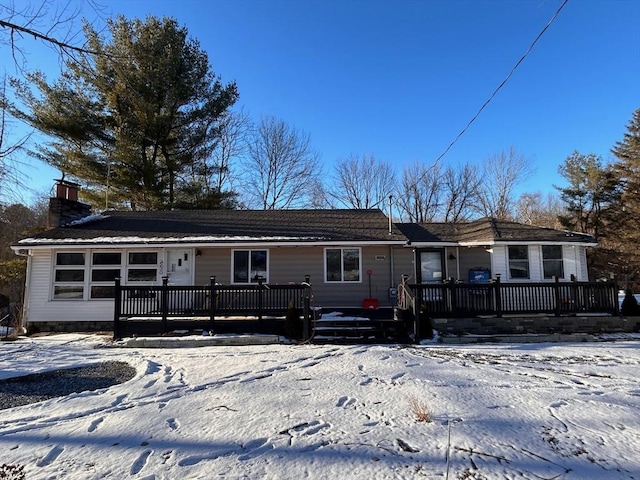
(180, 266)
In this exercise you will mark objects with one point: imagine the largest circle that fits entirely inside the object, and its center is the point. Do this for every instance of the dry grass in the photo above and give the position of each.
(420, 410)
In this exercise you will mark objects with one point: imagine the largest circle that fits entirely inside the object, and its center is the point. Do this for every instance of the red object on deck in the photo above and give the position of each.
(370, 303)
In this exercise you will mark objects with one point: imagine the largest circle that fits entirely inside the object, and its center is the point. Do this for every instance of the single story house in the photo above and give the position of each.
(349, 256)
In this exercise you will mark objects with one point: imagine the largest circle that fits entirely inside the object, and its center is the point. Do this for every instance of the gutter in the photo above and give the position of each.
(66, 245)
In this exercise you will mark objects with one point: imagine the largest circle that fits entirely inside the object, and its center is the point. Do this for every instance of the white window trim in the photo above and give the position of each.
(564, 272)
(232, 270)
(519, 279)
(88, 267)
(342, 249)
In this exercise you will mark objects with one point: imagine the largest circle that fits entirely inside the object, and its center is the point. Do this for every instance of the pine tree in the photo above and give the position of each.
(133, 121)
(593, 205)
(627, 168)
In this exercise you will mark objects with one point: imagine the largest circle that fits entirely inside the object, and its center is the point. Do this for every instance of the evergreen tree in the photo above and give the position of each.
(627, 168)
(133, 122)
(593, 206)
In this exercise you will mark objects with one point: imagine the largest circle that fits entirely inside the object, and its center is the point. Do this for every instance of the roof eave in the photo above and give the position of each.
(65, 245)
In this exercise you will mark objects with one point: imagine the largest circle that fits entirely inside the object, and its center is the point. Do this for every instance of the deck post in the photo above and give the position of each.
(306, 313)
(164, 302)
(556, 294)
(498, 296)
(417, 314)
(260, 302)
(116, 310)
(212, 303)
(454, 296)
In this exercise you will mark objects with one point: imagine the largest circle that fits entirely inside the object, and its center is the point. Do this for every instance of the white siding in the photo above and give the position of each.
(499, 262)
(41, 309)
(535, 264)
(581, 256)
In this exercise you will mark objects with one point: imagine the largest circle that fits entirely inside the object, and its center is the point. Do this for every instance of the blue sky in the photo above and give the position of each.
(401, 79)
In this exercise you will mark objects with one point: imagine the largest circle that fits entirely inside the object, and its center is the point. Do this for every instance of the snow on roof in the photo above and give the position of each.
(137, 239)
(88, 219)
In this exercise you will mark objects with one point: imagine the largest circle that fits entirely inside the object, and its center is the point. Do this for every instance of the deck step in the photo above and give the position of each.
(355, 330)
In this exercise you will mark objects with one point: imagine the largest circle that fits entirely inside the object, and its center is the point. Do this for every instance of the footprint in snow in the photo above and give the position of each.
(152, 367)
(140, 462)
(119, 399)
(307, 428)
(151, 383)
(173, 423)
(559, 404)
(397, 376)
(366, 381)
(345, 401)
(50, 457)
(94, 424)
(255, 448)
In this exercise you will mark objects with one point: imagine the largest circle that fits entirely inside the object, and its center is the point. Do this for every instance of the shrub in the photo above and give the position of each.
(629, 305)
(293, 323)
(420, 410)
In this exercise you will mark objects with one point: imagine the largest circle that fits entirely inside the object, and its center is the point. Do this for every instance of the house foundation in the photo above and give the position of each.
(538, 324)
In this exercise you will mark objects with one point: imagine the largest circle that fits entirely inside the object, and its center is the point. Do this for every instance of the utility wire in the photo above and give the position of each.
(555, 15)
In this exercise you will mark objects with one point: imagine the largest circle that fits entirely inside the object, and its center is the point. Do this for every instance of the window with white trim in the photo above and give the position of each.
(91, 274)
(342, 265)
(248, 265)
(105, 268)
(142, 267)
(518, 261)
(552, 261)
(69, 276)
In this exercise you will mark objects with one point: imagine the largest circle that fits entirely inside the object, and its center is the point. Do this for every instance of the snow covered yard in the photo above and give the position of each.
(529, 411)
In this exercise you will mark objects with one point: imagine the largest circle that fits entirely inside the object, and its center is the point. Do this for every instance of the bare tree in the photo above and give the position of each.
(501, 173)
(420, 196)
(362, 182)
(11, 168)
(234, 133)
(281, 167)
(459, 192)
(55, 24)
(542, 211)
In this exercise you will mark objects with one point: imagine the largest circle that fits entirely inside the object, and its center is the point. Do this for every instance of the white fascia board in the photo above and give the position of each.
(520, 242)
(431, 244)
(164, 244)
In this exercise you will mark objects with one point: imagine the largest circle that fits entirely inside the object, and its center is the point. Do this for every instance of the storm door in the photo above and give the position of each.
(431, 266)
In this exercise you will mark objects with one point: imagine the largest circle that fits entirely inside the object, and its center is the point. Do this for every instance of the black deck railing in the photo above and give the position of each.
(163, 308)
(459, 300)
(557, 298)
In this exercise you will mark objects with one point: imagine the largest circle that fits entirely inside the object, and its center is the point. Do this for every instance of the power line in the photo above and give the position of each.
(555, 15)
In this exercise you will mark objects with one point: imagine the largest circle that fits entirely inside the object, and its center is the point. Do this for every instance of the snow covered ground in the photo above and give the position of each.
(526, 411)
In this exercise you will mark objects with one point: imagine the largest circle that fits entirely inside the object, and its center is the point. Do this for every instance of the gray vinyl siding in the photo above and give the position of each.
(292, 264)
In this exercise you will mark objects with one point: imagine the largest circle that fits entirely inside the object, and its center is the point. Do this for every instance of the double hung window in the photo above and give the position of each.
(552, 263)
(69, 276)
(519, 261)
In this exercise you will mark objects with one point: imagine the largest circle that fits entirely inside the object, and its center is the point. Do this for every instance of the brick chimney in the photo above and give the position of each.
(65, 207)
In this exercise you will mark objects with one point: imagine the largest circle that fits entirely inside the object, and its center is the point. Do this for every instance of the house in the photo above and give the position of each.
(349, 256)
(482, 249)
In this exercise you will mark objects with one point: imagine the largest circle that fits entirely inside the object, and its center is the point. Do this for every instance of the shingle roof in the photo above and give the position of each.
(225, 226)
(489, 230)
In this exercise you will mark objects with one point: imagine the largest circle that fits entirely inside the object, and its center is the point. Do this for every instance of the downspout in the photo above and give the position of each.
(458, 263)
